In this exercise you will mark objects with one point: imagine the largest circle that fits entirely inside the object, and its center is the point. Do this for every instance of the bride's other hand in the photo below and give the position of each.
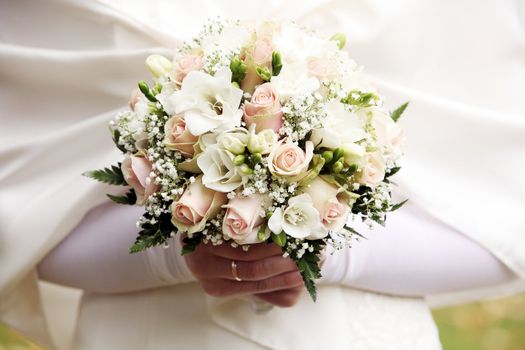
(262, 270)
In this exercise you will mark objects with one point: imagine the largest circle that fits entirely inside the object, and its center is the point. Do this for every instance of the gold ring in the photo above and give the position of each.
(235, 273)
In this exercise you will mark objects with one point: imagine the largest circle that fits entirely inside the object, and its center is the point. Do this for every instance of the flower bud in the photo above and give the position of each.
(328, 156)
(239, 159)
(337, 167)
(245, 169)
(256, 158)
(263, 73)
(338, 153)
(340, 38)
(158, 65)
(232, 144)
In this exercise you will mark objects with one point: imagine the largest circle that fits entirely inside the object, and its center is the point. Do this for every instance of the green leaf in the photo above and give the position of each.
(351, 229)
(129, 198)
(392, 172)
(116, 138)
(153, 234)
(144, 88)
(261, 234)
(112, 176)
(398, 205)
(277, 64)
(190, 244)
(309, 268)
(263, 73)
(396, 114)
(360, 98)
(279, 239)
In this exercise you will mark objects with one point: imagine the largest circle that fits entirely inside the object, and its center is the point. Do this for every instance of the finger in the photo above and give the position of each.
(228, 288)
(207, 266)
(255, 252)
(282, 298)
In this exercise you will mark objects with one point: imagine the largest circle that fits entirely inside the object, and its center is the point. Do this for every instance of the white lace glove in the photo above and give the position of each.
(95, 257)
(414, 255)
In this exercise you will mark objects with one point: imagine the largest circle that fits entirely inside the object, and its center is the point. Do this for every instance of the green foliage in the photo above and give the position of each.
(360, 99)
(309, 268)
(190, 244)
(116, 138)
(398, 205)
(279, 239)
(129, 198)
(238, 68)
(396, 114)
(112, 175)
(153, 234)
(277, 63)
(144, 88)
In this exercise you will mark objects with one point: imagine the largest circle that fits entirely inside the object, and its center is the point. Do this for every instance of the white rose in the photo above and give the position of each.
(299, 220)
(340, 126)
(234, 141)
(373, 172)
(219, 171)
(208, 102)
(263, 141)
(389, 135)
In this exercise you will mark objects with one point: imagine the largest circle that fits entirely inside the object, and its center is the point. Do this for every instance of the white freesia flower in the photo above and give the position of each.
(299, 220)
(293, 80)
(340, 126)
(234, 141)
(219, 171)
(263, 141)
(208, 102)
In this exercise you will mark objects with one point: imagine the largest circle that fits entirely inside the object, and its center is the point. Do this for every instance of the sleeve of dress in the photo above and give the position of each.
(414, 255)
(94, 256)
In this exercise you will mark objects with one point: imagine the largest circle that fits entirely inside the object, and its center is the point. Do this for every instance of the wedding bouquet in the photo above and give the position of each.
(256, 133)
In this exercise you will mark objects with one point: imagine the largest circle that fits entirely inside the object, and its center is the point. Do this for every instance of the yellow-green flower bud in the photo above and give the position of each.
(158, 65)
(340, 38)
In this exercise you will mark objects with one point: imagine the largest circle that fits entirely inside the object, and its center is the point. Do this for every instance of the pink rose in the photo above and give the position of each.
(264, 109)
(196, 205)
(242, 220)
(134, 98)
(258, 55)
(288, 159)
(321, 68)
(136, 171)
(374, 171)
(186, 64)
(331, 203)
(177, 137)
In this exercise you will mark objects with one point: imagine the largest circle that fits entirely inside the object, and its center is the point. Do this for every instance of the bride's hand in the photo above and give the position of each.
(262, 269)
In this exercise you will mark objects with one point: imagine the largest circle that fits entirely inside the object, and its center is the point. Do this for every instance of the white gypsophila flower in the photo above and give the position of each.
(300, 219)
(209, 103)
(339, 127)
(230, 38)
(302, 113)
(219, 171)
(293, 80)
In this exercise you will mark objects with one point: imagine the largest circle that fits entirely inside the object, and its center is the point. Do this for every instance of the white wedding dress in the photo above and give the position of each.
(65, 67)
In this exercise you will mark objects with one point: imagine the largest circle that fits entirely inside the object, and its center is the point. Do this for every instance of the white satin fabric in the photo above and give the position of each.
(65, 66)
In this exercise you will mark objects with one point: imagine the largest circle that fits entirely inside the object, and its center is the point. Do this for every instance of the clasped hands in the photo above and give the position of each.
(261, 271)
